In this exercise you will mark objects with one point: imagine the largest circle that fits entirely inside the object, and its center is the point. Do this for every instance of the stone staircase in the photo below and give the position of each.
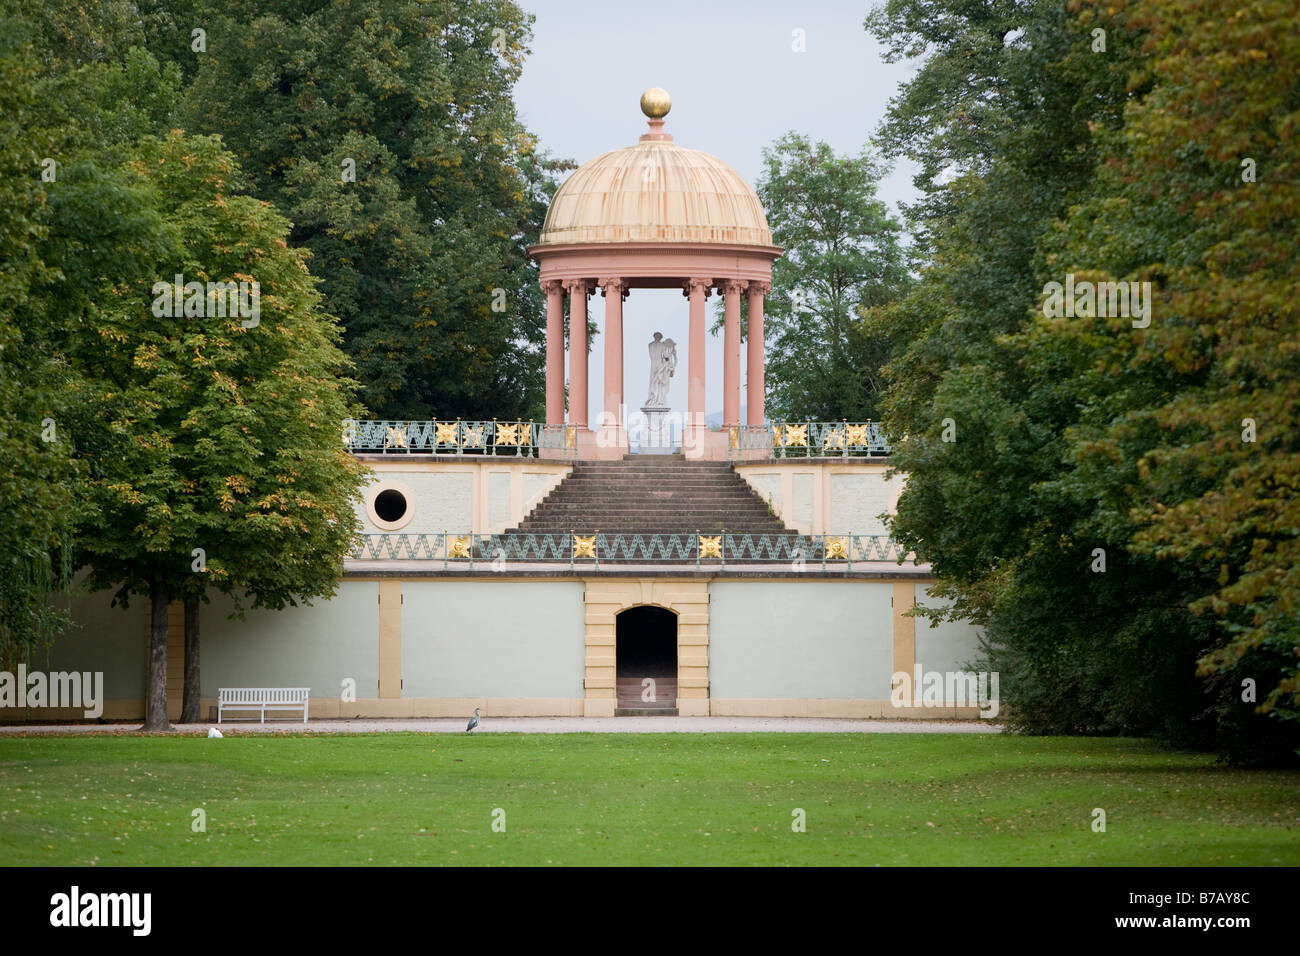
(629, 693)
(652, 494)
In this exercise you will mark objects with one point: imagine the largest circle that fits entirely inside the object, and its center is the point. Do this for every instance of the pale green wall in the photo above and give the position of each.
(768, 487)
(948, 647)
(443, 500)
(800, 639)
(857, 501)
(802, 488)
(535, 486)
(493, 639)
(109, 639)
(499, 499)
(314, 647)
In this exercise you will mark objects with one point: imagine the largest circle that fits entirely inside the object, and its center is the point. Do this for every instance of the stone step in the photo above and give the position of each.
(630, 481)
(666, 496)
(590, 509)
(649, 531)
(652, 470)
(665, 523)
(605, 506)
(643, 478)
(614, 523)
(613, 526)
(568, 519)
(631, 491)
(725, 470)
(674, 464)
(685, 526)
(652, 496)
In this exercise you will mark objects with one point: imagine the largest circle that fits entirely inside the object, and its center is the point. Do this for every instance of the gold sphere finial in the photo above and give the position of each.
(655, 102)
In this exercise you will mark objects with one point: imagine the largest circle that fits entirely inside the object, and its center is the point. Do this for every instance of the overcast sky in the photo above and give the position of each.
(736, 85)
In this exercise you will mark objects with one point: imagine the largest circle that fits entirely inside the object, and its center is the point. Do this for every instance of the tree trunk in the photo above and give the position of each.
(190, 704)
(155, 710)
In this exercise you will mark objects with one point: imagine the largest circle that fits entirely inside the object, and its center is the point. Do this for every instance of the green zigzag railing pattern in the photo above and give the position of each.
(801, 551)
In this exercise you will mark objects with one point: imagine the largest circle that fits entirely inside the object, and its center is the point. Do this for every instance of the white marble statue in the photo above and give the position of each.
(663, 360)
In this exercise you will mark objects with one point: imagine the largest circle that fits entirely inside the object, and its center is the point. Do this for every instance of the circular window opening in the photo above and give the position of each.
(390, 505)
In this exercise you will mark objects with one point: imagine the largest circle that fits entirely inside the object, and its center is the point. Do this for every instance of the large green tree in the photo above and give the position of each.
(1074, 480)
(74, 95)
(38, 485)
(1007, 105)
(1186, 426)
(843, 256)
(213, 439)
(385, 130)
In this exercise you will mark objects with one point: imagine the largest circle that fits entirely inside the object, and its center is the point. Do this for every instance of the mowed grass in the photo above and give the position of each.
(662, 799)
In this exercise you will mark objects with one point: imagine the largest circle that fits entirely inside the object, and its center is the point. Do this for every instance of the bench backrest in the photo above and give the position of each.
(264, 695)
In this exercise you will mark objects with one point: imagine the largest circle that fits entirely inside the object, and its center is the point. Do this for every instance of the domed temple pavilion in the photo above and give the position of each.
(654, 215)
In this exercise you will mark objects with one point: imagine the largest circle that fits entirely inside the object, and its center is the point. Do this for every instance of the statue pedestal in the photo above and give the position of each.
(657, 435)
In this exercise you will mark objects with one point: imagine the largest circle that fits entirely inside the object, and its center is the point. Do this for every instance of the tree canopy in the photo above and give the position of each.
(1080, 482)
(386, 132)
(191, 443)
(843, 256)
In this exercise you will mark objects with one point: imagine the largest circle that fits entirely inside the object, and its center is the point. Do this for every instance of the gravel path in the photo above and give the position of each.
(550, 725)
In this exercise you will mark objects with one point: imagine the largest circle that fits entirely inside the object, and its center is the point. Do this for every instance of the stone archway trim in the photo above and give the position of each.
(605, 598)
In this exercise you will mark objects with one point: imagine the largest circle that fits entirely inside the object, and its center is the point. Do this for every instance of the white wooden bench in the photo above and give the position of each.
(262, 699)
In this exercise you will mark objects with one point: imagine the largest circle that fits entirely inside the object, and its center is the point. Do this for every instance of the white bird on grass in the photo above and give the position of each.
(473, 721)
(213, 732)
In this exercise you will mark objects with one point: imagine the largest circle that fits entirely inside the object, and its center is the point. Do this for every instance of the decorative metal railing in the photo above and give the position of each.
(521, 439)
(808, 440)
(801, 552)
(515, 439)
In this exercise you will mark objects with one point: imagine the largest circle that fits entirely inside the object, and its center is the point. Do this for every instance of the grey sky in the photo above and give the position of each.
(736, 85)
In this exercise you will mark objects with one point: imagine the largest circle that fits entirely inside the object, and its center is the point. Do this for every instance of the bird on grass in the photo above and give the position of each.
(473, 721)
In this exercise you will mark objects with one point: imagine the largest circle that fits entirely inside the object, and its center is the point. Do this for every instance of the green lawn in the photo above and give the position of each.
(635, 799)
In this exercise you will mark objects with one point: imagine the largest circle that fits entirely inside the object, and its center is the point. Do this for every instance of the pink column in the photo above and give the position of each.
(698, 290)
(578, 291)
(731, 352)
(554, 290)
(614, 290)
(755, 399)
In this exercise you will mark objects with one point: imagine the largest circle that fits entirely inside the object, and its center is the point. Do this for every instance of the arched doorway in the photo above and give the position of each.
(646, 661)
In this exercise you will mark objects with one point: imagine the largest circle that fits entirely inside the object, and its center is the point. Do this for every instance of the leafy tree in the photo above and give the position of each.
(39, 484)
(215, 447)
(386, 132)
(1008, 104)
(842, 257)
(75, 94)
(1080, 440)
(1193, 417)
